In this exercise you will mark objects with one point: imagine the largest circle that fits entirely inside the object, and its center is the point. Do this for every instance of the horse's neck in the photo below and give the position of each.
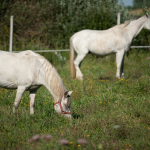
(55, 85)
(135, 27)
(50, 78)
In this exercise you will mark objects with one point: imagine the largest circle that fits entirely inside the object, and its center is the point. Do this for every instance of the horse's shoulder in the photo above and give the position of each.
(27, 53)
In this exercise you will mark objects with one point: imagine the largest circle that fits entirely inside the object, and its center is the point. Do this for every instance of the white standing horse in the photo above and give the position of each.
(28, 71)
(114, 40)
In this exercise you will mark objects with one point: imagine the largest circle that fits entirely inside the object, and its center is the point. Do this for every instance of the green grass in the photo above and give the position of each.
(109, 113)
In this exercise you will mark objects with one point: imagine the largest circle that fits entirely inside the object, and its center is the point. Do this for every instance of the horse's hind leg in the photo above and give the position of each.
(32, 101)
(122, 66)
(77, 64)
(20, 91)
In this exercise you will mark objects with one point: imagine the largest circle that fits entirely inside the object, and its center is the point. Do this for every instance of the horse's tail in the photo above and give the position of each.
(72, 55)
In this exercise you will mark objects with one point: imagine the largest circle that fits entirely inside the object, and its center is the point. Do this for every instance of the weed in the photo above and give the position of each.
(107, 113)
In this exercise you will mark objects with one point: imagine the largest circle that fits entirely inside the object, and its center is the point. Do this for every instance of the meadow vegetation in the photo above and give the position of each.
(109, 113)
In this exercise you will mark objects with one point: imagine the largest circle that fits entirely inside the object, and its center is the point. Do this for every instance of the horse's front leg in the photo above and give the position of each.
(32, 101)
(20, 91)
(120, 62)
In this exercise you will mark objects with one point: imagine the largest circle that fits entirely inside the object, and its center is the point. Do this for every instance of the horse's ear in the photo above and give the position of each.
(65, 94)
(70, 92)
(147, 15)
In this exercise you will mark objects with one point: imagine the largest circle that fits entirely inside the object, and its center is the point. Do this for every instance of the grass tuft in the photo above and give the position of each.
(107, 113)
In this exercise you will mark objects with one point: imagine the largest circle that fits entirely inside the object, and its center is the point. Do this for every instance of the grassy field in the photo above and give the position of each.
(110, 114)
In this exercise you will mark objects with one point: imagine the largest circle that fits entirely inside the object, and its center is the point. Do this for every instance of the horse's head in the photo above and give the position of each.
(147, 23)
(63, 106)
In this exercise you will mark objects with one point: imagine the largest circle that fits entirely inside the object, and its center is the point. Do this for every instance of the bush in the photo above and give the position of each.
(54, 22)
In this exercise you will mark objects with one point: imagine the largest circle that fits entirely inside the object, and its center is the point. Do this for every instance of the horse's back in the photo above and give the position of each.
(17, 69)
(100, 42)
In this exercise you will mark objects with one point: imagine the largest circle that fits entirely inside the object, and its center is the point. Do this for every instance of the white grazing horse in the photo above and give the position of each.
(28, 71)
(114, 40)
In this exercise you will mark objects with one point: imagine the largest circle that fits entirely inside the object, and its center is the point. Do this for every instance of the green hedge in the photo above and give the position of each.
(51, 23)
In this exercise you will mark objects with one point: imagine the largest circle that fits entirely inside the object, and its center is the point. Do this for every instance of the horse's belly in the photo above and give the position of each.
(33, 87)
(7, 80)
(102, 51)
(8, 85)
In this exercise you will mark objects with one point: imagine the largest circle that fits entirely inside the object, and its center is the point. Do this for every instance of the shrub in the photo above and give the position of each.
(54, 22)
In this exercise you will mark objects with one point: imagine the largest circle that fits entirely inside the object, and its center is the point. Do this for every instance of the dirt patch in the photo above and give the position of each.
(137, 11)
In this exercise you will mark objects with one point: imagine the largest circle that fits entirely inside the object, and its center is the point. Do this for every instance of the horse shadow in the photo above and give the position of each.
(77, 116)
(104, 78)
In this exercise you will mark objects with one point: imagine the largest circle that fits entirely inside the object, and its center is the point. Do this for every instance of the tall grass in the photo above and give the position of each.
(109, 113)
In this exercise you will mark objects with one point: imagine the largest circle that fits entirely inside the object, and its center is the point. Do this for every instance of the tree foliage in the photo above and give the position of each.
(53, 22)
(140, 3)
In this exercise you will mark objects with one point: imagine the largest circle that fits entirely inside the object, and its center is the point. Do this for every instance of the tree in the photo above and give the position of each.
(53, 22)
(140, 3)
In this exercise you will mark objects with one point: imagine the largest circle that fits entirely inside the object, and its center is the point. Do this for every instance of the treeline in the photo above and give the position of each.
(52, 22)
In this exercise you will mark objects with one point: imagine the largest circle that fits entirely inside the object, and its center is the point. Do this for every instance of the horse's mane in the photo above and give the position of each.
(126, 23)
(123, 25)
(52, 77)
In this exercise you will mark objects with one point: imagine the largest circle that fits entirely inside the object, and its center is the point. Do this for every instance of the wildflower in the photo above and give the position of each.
(108, 89)
(82, 141)
(35, 138)
(64, 142)
(71, 142)
(116, 126)
(78, 145)
(99, 102)
(46, 137)
(88, 135)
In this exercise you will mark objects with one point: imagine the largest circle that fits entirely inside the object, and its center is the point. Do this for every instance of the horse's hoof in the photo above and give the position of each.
(118, 77)
(80, 78)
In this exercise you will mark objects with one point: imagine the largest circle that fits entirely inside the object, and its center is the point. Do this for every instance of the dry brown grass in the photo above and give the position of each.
(138, 11)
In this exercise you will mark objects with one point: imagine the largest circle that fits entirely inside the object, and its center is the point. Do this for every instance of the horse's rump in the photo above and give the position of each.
(18, 69)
